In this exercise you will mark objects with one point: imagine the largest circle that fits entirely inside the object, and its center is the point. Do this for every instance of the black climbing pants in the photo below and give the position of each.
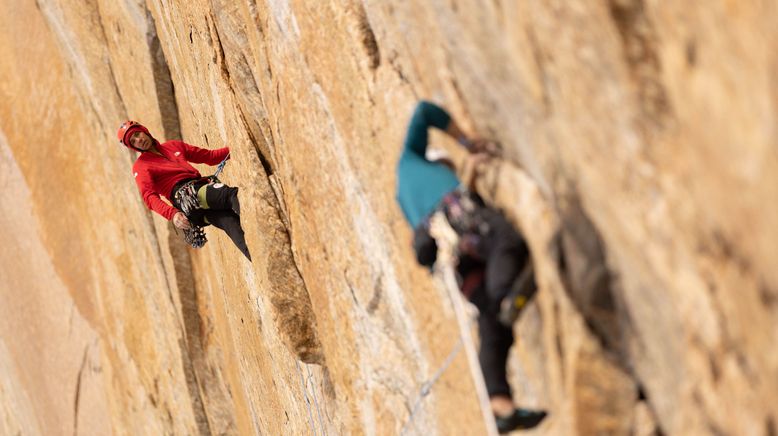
(506, 255)
(220, 207)
(495, 343)
(229, 221)
(491, 271)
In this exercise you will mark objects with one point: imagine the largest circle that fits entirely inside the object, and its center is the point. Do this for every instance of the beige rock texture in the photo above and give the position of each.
(640, 160)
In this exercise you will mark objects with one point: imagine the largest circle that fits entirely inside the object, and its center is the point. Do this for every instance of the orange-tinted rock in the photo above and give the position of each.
(645, 133)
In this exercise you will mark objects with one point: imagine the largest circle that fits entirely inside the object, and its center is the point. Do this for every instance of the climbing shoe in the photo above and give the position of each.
(520, 419)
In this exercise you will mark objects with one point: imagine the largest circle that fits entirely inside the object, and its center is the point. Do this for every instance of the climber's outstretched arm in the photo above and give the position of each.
(472, 143)
(429, 115)
(425, 115)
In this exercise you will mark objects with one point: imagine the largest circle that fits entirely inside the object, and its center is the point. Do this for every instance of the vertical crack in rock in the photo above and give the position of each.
(78, 390)
(294, 307)
(262, 158)
(237, 73)
(356, 10)
(586, 276)
(260, 126)
(170, 122)
(72, 52)
(201, 417)
(289, 296)
(260, 26)
(218, 54)
(112, 75)
(396, 65)
(594, 293)
(116, 88)
(193, 357)
(163, 82)
(190, 345)
(639, 40)
(260, 150)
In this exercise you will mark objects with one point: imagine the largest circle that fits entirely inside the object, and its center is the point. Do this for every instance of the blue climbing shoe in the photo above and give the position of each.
(520, 419)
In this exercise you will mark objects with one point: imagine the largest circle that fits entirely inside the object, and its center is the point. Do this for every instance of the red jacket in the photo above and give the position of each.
(156, 175)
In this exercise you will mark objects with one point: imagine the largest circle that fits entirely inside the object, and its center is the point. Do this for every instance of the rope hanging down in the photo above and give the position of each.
(447, 239)
(426, 388)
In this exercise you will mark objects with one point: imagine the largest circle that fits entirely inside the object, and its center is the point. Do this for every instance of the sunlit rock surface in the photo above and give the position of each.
(640, 160)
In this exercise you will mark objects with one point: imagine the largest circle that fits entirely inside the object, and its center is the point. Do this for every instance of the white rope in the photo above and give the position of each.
(307, 401)
(316, 402)
(447, 241)
(426, 388)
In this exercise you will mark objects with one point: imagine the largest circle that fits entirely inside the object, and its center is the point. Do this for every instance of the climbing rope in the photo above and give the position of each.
(307, 401)
(446, 238)
(316, 402)
(426, 388)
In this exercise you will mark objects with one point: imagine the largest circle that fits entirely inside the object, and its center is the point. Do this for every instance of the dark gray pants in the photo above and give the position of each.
(506, 255)
(222, 209)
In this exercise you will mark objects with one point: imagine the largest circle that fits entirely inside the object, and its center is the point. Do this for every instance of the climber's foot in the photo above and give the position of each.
(520, 419)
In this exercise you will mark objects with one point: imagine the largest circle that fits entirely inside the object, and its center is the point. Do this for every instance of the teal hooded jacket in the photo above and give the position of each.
(422, 184)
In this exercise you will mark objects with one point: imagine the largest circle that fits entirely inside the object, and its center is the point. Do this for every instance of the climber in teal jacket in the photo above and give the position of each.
(494, 264)
(421, 184)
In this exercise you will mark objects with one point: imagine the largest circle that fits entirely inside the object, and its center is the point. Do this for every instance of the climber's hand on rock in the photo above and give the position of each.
(482, 145)
(476, 159)
(471, 167)
(180, 221)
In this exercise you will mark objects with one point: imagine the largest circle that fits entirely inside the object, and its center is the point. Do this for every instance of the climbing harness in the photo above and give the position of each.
(466, 214)
(462, 209)
(186, 196)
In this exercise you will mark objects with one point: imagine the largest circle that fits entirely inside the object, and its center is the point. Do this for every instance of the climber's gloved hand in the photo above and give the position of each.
(180, 221)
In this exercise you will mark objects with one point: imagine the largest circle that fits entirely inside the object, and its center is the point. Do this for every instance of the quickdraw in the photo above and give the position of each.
(186, 196)
(195, 236)
(219, 168)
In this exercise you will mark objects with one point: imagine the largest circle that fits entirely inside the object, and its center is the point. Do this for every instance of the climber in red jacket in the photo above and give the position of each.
(163, 170)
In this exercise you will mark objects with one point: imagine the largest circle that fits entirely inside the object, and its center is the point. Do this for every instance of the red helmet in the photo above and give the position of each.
(126, 130)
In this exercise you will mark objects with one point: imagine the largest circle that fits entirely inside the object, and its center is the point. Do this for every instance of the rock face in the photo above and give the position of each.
(641, 162)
